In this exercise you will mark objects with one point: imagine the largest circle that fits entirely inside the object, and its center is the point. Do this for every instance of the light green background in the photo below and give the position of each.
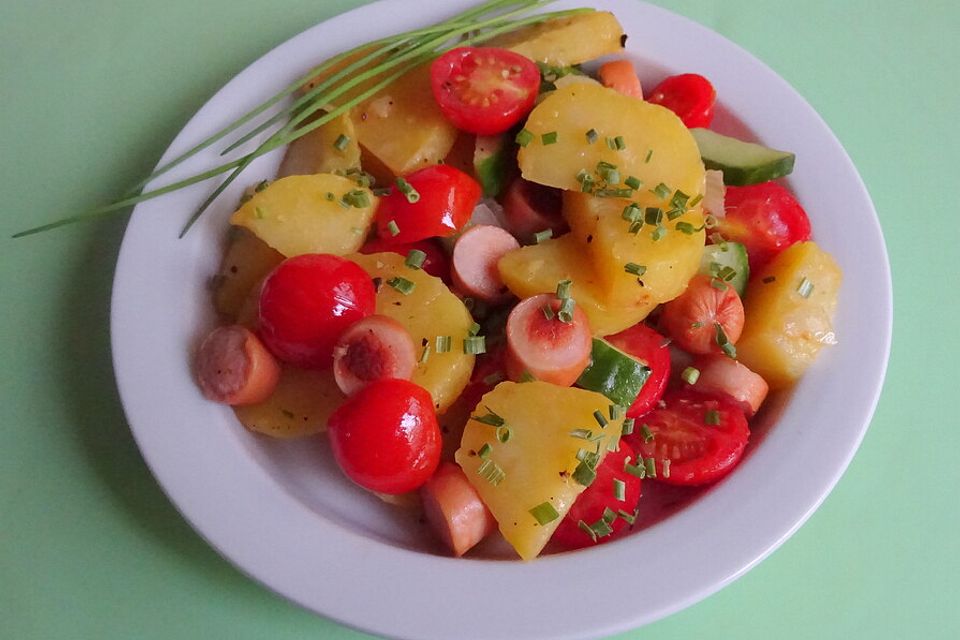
(92, 92)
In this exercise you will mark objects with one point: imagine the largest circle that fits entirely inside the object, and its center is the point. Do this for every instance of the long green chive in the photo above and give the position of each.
(619, 489)
(646, 433)
(341, 142)
(415, 259)
(490, 418)
(635, 269)
(523, 138)
(491, 472)
(402, 285)
(633, 182)
(662, 191)
(443, 344)
(565, 313)
(504, 433)
(805, 288)
(474, 345)
(485, 451)
(592, 136)
(544, 513)
(549, 138)
(711, 417)
(587, 530)
(563, 289)
(627, 427)
(425, 354)
(411, 194)
(542, 236)
(690, 375)
(600, 418)
(651, 466)
(584, 474)
(393, 228)
(723, 342)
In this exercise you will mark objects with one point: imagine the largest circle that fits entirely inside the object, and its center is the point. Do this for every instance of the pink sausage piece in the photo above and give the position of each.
(474, 263)
(454, 509)
(545, 347)
(530, 208)
(723, 376)
(374, 348)
(234, 367)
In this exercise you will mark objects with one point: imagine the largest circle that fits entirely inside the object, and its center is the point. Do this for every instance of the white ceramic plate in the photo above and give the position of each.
(284, 514)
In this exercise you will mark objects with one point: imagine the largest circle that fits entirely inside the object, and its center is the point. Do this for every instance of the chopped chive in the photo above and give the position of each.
(393, 228)
(443, 344)
(544, 513)
(411, 194)
(613, 444)
(710, 221)
(547, 311)
(658, 233)
(382, 191)
(402, 285)
(584, 474)
(526, 376)
(653, 215)
(696, 200)
(523, 138)
(592, 136)
(711, 417)
(615, 411)
(805, 288)
(635, 269)
(504, 433)
(769, 279)
(619, 143)
(491, 472)
(563, 289)
(673, 214)
(549, 138)
(490, 418)
(259, 213)
(425, 354)
(690, 375)
(651, 466)
(474, 329)
(609, 515)
(583, 434)
(613, 193)
(686, 227)
(565, 313)
(631, 212)
(474, 345)
(542, 236)
(637, 470)
(484, 451)
(341, 142)
(619, 489)
(608, 172)
(263, 184)
(633, 182)
(492, 379)
(647, 434)
(724, 343)
(611, 143)
(665, 468)
(627, 427)
(586, 185)
(662, 191)
(636, 227)
(587, 530)
(629, 518)
(679, 200)
(415, 259)
(649, 156)
(602, 528)
(590, 457)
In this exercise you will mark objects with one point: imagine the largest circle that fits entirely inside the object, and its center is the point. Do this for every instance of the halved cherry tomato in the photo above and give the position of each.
(545, 347)
(703, 438)
(689, 95)
(436, 263)
(484, 90)
(530, 208)
(447, 197)
(765, 218)
(648, 346)
(307, 301)
(590, 505)
(386, 437)
(704, 316)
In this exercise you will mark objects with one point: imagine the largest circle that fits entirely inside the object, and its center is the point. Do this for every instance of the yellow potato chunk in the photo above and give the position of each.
(670, 261)
(565, 41)
(300, 405)
(538, 268)
(785, 329)
(430, 310)
(319, 152)
(402, 126)
(305, 214)
(246, 261)
(657, 147)
(538, 460)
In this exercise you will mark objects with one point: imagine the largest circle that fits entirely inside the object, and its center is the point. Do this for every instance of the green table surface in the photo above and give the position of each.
(92, 93)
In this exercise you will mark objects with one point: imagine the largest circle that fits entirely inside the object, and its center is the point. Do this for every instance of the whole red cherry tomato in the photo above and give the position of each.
(386, 437)
(447, 197)
(688, 95)
(702, 438)
(307, 301)
(648, 346)
(436, 263)
(597, 498)
(484, 90)
(765, 218)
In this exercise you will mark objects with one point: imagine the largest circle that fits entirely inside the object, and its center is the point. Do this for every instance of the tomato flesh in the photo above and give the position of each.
(386, 437)
(765, 218)
(306, 303)
(683, 432)
(599, 496)
(689, 95)
(650, 348)
(447, 199)
(484, 90)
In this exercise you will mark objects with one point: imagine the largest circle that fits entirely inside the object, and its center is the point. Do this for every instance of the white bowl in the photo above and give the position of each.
(284, 514)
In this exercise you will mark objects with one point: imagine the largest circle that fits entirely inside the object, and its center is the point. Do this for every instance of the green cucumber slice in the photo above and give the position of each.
(614, 374)
(727, 254)
(491, 163)
(742, 163)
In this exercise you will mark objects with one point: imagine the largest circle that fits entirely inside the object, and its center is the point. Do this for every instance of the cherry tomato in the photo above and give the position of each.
(704, 317)
(765, 218)
(306, 303)
(484, 90)
(648, 346)
(703, 438)
(386, 437)
(599, 496)
(688, 95)
(447, 199)
(436, 263)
